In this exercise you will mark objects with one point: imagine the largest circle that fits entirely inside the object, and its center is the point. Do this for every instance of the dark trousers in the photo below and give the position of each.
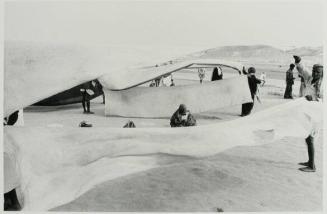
(311, 151)
(12, 119)
(288, 92)
(247, 108)
(85, 101)
(11, 202)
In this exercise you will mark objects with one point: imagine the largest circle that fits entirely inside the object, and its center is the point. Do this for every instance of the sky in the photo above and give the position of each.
(207, 24)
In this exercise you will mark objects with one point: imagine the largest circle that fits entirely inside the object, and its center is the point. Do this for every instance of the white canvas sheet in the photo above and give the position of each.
(57, 165)
(163, 101)
(35, 71)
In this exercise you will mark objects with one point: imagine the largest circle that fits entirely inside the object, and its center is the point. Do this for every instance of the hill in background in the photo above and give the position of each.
(263, 54)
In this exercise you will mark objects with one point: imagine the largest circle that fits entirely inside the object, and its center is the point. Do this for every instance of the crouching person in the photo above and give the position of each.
(182, 117)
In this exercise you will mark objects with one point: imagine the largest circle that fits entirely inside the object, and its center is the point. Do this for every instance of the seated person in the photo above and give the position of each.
(182, 117)
(129, 124)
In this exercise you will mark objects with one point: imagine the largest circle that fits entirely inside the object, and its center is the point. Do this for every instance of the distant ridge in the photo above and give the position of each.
(262, 53)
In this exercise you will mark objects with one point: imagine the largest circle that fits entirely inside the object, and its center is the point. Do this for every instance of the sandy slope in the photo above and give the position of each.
(261, 178)
(256, 178)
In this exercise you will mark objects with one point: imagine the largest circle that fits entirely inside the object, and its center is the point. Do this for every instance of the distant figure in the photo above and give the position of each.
(129, 124)
(11, 119)
(311, 89)
(87, 91)
(100, 88)
(301, 86)
(289, 82)
(182, 117)
(152, 84)
(317, 76)
(253, 84)
(263, 78)
(244, 71)
(157, 81)
(172, 83)
(165, 82)
(217, 74)
(202, 73)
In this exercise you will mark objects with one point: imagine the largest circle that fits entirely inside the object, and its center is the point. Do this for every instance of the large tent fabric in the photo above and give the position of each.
(56, 165)
(163, 101)
(35, 71)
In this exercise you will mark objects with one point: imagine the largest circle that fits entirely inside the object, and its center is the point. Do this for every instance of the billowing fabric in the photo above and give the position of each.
(47, 69)
(56, 165)
(163, 101)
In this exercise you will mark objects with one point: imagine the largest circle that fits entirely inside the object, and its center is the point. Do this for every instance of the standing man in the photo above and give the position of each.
(87, 91)
(202, 73)
(311, 93)
(217, 74)
(263, 78)
(317, 75)
(289, 82)
(253, 84)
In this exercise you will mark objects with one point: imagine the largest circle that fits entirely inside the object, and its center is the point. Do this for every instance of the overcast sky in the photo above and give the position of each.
(209, 24)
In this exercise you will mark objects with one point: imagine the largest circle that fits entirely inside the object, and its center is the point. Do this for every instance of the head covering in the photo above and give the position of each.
(317, 67)
(297, 59)
(292, 66)
(251, 70)
(182, 109)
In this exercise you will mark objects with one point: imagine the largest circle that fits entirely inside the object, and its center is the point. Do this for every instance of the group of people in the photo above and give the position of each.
(162, 81)
(316, 75)
(217, 74)
(310, 89)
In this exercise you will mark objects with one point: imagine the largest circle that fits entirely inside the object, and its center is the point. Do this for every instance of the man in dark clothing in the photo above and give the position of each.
(253, 84)
(157, 81)
(289, 82)
(12, 119)
(182, 117)
(11, 202)
(87, 91)
(99, 87)
(217, 74)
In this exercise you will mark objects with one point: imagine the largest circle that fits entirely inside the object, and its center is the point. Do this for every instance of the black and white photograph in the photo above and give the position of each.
(163, 106)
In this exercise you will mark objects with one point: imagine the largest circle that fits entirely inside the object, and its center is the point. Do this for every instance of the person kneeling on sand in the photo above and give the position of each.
(311, 91)
(182, 117)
